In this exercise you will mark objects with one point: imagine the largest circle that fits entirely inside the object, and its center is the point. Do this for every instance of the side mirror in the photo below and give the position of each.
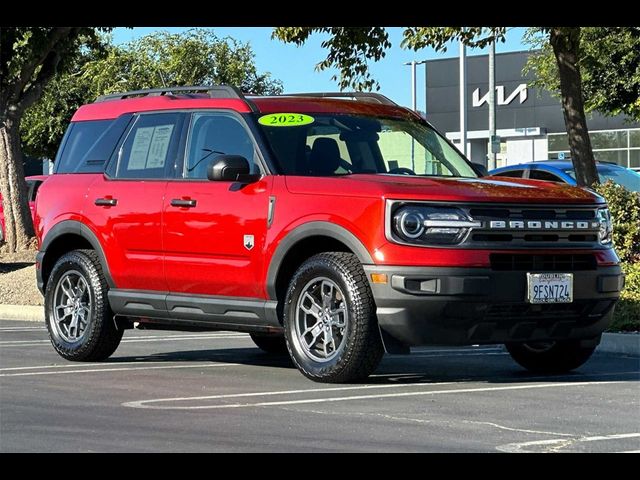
(230, 168)
(480, 169)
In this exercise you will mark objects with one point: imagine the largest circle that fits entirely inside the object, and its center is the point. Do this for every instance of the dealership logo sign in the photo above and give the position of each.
(520, 91)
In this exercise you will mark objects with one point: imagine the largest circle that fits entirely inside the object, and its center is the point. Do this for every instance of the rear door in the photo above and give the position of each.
(125, 204)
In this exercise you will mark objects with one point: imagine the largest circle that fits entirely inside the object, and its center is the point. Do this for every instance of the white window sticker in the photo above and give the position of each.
(150, 146)
(140, 148)
(159, 146)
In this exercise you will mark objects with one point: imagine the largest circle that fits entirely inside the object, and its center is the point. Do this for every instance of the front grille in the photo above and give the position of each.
(546, 263)
(533, 226)
(532, 213)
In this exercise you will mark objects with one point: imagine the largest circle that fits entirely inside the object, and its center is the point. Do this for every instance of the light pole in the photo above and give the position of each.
(414, 104)
(414, 93)
(493, 141)
(463, 98)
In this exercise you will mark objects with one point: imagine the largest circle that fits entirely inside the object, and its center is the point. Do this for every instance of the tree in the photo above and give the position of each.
(194, 57)
(609, 67)
(351, 48)
(29, 58)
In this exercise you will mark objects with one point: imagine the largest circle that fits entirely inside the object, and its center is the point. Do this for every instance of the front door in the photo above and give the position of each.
(214, 232)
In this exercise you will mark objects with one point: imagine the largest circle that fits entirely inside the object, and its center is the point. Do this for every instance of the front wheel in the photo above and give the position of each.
(329, 319)
(550, 357)
(78, 317)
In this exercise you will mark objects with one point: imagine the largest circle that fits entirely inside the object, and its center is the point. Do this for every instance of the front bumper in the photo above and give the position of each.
(466, 306)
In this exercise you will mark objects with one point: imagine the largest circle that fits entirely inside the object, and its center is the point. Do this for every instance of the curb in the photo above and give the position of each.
(619, 343)
(25, 313)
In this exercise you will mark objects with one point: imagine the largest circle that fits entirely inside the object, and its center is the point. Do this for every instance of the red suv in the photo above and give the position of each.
(331, 226)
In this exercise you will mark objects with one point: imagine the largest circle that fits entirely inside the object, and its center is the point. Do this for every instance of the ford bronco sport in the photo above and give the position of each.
(331, 226)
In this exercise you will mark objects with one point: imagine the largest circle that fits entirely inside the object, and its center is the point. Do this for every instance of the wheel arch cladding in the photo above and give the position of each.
(67, 236)
(304, 242)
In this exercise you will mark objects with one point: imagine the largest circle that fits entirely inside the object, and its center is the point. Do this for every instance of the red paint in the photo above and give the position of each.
(151, 245)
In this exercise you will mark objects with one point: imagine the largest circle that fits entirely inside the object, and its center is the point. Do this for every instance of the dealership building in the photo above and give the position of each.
(529, 121)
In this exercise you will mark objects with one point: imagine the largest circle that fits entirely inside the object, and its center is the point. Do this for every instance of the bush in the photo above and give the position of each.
(625, 213)
(627, 315)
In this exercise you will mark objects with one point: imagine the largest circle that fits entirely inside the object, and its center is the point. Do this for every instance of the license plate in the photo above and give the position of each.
(550, 287)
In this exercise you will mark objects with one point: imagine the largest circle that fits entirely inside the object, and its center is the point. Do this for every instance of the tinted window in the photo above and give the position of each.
(214, 134)
(150, 148)
(542, 175)
(79, 139)
(510, 173)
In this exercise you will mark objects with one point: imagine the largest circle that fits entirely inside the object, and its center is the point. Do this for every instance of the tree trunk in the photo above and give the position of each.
(566, 48)
(17, 216)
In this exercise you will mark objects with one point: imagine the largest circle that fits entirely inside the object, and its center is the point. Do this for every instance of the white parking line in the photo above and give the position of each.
(102, 364)
(145, 403)
(155, 338)
(22, 329)
(125, 369)
(556, 444)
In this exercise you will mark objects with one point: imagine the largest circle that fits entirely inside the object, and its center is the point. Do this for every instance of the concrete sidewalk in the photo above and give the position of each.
(25, 313)
(620, 343)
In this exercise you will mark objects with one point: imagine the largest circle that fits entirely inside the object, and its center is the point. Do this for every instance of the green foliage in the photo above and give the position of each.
(627, 313)
(350, 49)
(31, 56)
(194, 57)
(625, 214)
(609, 67)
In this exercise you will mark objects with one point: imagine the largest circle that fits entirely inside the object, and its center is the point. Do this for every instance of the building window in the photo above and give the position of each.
(616, 146)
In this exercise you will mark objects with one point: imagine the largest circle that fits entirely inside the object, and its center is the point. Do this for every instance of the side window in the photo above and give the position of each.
(510, 173)
(150, 148)
(542, 175)
(214, 134)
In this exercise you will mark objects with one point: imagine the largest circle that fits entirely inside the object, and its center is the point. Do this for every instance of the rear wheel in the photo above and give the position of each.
(329, 319)
(550, 357)
(80, 323)
(270, 343)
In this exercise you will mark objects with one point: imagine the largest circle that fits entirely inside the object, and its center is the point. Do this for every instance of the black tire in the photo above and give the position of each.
(275, 344)
(101, 336)
(361, 347)
(550, 357)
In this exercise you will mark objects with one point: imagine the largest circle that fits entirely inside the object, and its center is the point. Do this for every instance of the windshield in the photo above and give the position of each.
(334, 144)
(622, 176)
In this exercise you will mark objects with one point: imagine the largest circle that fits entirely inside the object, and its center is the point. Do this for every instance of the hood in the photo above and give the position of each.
(487, 189)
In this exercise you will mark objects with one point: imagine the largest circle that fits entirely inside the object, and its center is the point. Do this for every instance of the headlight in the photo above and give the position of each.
(605, 233)
(430, 225)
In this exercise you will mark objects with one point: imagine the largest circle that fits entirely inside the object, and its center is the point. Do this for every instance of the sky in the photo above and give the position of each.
(295, 66)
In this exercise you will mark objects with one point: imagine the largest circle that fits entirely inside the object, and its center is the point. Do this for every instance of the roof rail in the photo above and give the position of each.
(214, 91)
(358, 96)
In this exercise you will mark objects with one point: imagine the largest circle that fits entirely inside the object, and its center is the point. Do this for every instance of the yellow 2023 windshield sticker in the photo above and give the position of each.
(285, 120)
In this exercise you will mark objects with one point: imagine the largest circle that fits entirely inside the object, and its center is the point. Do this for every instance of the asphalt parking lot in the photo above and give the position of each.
(176, 391)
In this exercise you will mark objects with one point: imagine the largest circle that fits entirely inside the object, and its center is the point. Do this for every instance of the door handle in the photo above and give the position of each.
(183, 203)
(106, 202)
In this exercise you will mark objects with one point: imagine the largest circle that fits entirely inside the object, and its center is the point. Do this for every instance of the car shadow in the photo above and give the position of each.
(8, 267)
(495, 367)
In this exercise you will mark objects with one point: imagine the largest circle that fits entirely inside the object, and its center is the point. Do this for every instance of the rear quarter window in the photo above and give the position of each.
(87, 146)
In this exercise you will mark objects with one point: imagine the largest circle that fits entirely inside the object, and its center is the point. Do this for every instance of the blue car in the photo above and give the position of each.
(562, 171)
